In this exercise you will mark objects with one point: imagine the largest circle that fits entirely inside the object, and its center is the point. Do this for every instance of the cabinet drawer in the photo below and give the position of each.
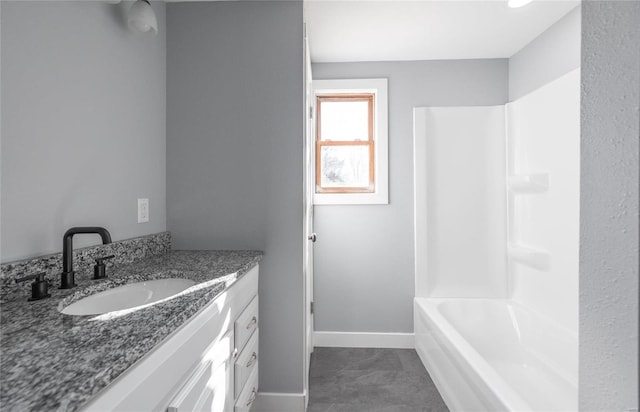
(246, 323)
(246, 363)
(249, 393)
(207, 389)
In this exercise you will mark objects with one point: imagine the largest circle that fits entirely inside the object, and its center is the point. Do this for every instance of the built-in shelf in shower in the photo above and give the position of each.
(535, 258)
(528, 183)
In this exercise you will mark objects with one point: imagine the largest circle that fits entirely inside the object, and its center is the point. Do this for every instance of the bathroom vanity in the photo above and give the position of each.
(209, 364)
(197, 350)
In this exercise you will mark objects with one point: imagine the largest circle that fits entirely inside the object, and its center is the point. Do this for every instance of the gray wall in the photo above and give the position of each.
(609, 206)
(0, 131)
(83, 124)
(234, 155)
(363, 272)
(550, 55)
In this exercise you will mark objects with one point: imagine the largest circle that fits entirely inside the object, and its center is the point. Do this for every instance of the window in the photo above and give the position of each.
(351, 141)
(344, 143)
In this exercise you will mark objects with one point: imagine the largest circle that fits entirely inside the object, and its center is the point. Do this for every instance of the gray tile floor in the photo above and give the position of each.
(376, 380)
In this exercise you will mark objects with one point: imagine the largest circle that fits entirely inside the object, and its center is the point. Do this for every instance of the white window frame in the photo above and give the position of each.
(378, 87)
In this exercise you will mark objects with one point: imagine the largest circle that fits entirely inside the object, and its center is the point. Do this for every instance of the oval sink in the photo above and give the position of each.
(127, 296)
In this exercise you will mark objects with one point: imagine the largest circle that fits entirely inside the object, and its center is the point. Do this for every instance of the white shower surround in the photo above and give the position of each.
(496, 215)
(543, 142)
(463, 231)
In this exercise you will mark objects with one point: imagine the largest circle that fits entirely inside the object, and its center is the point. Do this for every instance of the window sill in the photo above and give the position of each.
(378, 198)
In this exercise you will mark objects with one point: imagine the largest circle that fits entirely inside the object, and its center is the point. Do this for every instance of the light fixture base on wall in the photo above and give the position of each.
(142, 18)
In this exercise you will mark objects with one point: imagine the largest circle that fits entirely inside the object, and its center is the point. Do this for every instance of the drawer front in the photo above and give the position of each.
(249, 393)
(246, 323)
(246, 363)
(207, 389)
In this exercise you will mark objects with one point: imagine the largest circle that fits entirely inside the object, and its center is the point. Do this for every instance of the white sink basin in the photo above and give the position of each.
(127, 296)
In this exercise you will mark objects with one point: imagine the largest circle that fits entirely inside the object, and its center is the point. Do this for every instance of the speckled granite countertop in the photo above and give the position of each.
(51, 361)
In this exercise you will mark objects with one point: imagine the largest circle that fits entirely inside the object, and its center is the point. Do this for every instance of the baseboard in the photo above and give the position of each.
(279, 402)
(363, 340)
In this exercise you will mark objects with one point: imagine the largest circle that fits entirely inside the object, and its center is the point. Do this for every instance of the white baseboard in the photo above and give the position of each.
(279, 402)
(364, 340)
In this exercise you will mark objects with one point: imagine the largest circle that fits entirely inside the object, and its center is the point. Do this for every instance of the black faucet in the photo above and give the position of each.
(67, 278)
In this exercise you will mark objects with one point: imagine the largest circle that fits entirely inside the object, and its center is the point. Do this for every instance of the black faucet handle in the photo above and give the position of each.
(39, 277)
(39, 286)
(100, 270)
(100, 260)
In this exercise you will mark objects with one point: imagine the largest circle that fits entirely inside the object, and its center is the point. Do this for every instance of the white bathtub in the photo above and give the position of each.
(492, 355)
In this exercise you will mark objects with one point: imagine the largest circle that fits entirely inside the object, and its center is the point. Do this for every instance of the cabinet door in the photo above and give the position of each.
(209, 388)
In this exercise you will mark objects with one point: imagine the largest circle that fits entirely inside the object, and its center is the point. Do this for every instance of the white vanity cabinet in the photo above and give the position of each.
(208, 364)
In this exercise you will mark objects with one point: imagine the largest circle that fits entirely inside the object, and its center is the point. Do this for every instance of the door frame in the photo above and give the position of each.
(308, 188)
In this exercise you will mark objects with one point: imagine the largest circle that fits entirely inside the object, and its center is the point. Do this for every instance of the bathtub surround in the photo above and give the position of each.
(609, 206)
(543, 168)
(526, 356)
(460, 203)
(125, 251)
(36, 338)
(83, 123)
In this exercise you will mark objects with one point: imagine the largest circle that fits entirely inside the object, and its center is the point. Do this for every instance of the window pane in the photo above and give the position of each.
(345, 166)
(341, 121)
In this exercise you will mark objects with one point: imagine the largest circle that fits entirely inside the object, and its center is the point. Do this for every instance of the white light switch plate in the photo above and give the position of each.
(143, 210)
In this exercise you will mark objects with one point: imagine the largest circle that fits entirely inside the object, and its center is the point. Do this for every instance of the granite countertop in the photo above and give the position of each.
(51, 361)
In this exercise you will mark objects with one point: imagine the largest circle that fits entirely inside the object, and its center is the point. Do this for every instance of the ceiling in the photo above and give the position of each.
(361, 30)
